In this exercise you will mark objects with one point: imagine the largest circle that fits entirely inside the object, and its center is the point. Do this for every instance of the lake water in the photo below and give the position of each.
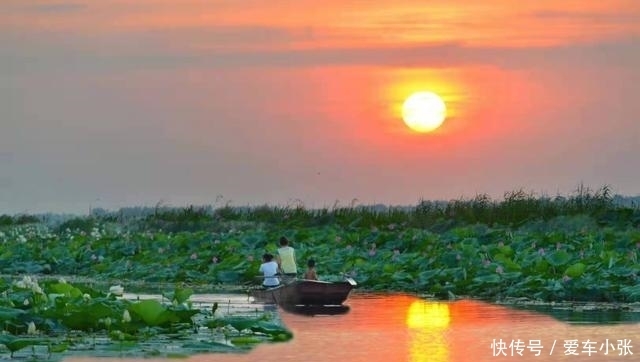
(405, 328)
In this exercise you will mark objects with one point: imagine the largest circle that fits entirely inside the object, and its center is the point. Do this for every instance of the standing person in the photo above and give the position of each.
(287, 259)
(311, 270)
(269, 269)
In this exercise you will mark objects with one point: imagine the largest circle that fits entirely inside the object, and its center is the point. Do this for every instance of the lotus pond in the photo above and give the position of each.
(579, 248)
(54, 318)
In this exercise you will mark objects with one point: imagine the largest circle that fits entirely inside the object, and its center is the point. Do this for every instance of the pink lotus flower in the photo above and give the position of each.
(215, 260)
(541, 251)
(372, 252)
(499, 270)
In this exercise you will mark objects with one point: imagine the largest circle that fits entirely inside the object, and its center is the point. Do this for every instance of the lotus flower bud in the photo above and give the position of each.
(31, 328)
(126, 317)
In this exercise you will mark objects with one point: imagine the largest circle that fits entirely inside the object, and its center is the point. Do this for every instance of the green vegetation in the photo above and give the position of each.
(55, 317)
(583, 247)
(17, 220)
(580, 247)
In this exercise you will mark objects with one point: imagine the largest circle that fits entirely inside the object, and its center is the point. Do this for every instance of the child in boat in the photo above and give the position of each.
(311, 270)
(269, 269)
(287, 259)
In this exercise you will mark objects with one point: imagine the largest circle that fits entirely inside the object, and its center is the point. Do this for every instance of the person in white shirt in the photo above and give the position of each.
(269, 269)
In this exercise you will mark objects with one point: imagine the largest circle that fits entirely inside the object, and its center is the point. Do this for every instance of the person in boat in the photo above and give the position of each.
(287, 259)
(269, 270)
(311, 270)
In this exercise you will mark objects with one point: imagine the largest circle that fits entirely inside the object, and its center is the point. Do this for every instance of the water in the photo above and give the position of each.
(404, 328)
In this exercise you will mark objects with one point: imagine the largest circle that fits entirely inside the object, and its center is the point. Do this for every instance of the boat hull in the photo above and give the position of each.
(306, 292)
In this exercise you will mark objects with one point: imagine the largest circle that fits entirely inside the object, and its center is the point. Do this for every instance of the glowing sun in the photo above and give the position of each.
(424, 111)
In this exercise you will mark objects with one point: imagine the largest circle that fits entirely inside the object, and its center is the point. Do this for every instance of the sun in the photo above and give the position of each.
(424, 111)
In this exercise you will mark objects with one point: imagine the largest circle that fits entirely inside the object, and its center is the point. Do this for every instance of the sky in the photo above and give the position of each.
(119, 103)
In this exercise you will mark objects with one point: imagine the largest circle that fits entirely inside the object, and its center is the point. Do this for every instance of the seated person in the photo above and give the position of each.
(269, 269)
(287, 259)
(311, 270)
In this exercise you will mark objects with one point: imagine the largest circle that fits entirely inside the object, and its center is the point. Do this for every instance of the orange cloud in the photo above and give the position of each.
(345, 23)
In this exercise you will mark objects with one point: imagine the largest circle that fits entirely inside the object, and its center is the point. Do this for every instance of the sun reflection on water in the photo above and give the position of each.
(428, 323)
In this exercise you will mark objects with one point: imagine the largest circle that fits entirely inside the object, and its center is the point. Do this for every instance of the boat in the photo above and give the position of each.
(305, 292)
(317, 310)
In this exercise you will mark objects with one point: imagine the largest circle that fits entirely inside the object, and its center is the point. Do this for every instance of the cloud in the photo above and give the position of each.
(153, 51)
(222, 37)
(617, 18)
(612, 53)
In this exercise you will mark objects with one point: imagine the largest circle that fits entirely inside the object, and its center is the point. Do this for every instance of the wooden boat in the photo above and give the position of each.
(316, 310)
(306, 292)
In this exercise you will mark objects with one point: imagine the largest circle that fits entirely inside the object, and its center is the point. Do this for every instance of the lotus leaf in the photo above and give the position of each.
(153, 313)
(576, 270)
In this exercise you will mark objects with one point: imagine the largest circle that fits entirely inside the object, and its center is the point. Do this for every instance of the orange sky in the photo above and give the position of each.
(347, 23)
(300, 100)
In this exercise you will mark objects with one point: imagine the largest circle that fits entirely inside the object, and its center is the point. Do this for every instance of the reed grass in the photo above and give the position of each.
(516, 208)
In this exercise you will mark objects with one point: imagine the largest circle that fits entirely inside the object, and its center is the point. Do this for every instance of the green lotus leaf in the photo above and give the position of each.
(7, 313)
(58, 347)
(271, 329)
(17, 343)
(65, 289)
(83, 316)
(558, 258)
(506, 250)
(576, 270)
(180, 295)
(239, 323)
(245, 340)
(153, 313)
(489, 278)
